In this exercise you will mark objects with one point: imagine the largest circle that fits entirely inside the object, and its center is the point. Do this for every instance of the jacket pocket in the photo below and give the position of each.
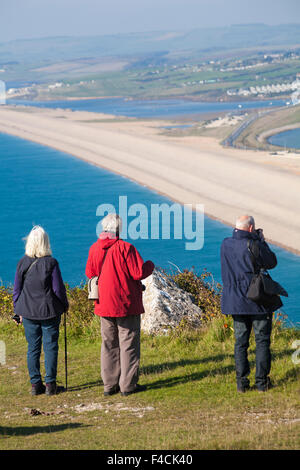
(243, 286)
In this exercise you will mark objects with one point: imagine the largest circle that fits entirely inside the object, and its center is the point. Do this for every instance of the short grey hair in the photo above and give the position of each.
(112, 223)
(243, 222)
(37, 243)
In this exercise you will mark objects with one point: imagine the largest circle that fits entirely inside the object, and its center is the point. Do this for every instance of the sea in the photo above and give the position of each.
(40, 185)
(286, 139)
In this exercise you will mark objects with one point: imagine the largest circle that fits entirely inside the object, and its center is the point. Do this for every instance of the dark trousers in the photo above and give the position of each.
(36, 332)
(120, 352)
(262, 326)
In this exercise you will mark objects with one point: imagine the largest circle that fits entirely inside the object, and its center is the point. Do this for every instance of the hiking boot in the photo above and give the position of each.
(266, 387)
(138, 388)
(51, 388)
(38, 388)
(112, 391)
(242, 389)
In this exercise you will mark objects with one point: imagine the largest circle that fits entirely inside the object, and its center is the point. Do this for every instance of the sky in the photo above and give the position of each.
(41, 18)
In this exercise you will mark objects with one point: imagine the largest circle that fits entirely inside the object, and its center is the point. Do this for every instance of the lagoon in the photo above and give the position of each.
(288, 139)
(167, 108)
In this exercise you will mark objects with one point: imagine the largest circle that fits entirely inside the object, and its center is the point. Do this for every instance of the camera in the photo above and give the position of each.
(16, 318)
(142, 286)
(260, 233)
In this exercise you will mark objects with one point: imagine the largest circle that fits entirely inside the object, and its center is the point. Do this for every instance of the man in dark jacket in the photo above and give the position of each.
(237, 271)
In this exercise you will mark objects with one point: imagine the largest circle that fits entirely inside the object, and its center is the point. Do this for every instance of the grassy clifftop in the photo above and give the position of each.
(190, 403)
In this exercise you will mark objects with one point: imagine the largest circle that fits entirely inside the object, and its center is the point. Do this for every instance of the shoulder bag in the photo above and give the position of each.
(263, 289)
(93, 291)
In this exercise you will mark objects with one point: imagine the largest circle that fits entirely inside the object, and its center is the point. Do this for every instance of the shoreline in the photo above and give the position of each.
(159, 98)
(256, 135)
(264, 136)
(175, 171)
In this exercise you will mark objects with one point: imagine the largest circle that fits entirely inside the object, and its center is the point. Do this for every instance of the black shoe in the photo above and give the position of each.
(51, 388)
(243, 389)
(138, 388)
(112, 391)
(243, 386)
(266, 387)
(38, 388)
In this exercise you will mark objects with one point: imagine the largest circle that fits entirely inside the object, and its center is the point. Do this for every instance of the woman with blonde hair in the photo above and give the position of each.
(40, 298)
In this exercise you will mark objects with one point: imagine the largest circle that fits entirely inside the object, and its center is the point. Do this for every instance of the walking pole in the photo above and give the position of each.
(66, 358)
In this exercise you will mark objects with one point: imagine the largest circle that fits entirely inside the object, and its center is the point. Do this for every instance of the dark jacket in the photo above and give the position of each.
(40, 294)
(237, 270)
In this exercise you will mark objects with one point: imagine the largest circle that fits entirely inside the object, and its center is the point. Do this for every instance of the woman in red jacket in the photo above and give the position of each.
(120, 305)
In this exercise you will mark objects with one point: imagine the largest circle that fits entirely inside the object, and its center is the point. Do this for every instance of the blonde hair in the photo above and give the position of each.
(112, 223)
(37, 243)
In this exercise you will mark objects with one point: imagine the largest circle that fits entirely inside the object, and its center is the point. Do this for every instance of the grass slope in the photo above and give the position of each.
(191, 401)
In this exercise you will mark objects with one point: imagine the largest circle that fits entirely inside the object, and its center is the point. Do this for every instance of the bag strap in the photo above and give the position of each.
(32, 264)
(103, 262)
(104, 259)
(256, 269)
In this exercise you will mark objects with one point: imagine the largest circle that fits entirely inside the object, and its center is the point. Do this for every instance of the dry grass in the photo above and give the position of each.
(191, 401)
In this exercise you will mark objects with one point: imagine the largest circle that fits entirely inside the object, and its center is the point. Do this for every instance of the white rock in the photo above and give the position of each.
(166, 305)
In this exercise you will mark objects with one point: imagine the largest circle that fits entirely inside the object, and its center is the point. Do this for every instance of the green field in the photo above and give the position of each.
(156, 64)
(166, 82)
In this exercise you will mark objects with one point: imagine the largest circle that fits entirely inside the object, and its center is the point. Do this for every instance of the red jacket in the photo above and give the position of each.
(120, 292)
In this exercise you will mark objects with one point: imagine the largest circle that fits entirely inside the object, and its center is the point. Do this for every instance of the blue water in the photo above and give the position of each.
(182, 126)
(149, 109)
(39, 185)
(290, 139)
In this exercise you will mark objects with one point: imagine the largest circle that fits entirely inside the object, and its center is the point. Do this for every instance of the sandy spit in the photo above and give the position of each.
(194, 170)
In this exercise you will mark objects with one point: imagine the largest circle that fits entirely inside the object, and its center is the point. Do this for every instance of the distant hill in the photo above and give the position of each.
(45, 50)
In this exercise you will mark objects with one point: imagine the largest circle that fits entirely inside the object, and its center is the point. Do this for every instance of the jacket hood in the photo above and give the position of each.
(107, 239)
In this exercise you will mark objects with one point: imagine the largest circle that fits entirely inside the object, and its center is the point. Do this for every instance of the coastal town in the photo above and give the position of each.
(254, 76)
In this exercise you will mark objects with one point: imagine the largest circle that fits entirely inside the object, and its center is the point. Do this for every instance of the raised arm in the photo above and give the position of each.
(268, 257)
(136, 266)
(264, 257)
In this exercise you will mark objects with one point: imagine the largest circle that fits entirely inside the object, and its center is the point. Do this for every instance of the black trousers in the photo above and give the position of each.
(262, 326)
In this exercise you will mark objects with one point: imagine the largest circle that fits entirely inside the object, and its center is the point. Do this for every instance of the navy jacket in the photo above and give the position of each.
(237, 270)
(40, 294)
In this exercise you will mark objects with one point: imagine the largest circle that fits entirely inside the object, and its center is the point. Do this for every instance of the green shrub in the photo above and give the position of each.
(81, 320)
(6, 303)
(206, 293)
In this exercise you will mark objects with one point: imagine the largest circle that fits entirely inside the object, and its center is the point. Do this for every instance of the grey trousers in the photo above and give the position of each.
(120, 352)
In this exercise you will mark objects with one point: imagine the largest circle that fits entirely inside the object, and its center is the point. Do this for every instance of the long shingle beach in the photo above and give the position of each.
(196, 170)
